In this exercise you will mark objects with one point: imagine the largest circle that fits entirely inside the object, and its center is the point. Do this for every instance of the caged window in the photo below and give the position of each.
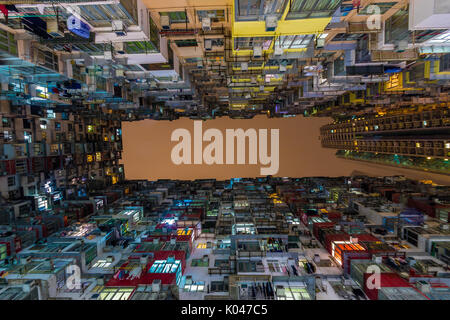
(295, 41)
(7, 136)
(50, 114)
(11, 181)
(27, 136)
(43, 124)
(176, 16)
(163, 266)
(215, 15)
(396, 29)
(186, 43)
(307, 9)
(444, 63)
(247, 43)
(248, 10)
(54, 148)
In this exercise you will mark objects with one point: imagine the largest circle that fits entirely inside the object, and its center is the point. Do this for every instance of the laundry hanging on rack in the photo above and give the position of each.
(5, 8)
(5, 12)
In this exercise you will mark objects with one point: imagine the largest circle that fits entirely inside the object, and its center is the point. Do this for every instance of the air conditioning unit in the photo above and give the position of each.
(423, 286)
(165, 22)
(278, 51)
(281, 291)
(143, 260)
(320, 43)
(25, 260)
(120, 73)
(244, 66)
(108, 55)
(208, 44)
(378, 259)
(156, 285)
(118, 27)
(118, 46)
(271, 23)
(401, 46)
(79, 62)
(257, 52)
(206, 24)
(282, 68)
(200, 64)
(54, 30)
(316, 258)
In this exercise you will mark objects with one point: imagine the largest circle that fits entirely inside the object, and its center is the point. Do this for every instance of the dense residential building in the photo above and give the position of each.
(401, 136)
(71, 72)
(264, 238)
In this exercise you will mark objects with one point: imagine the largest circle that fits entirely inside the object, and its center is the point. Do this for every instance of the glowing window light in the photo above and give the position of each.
(184, 232)
(201, 246)
(116, 293)
(101, 264)
(98, 156)
(42, 92)
(168, 221)
(295, 293)
(394, 81)
(134, 213)
(48, 187)
(163, 266)
(197, 287)
(50, 114)
(339, 246)
(90, 158)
